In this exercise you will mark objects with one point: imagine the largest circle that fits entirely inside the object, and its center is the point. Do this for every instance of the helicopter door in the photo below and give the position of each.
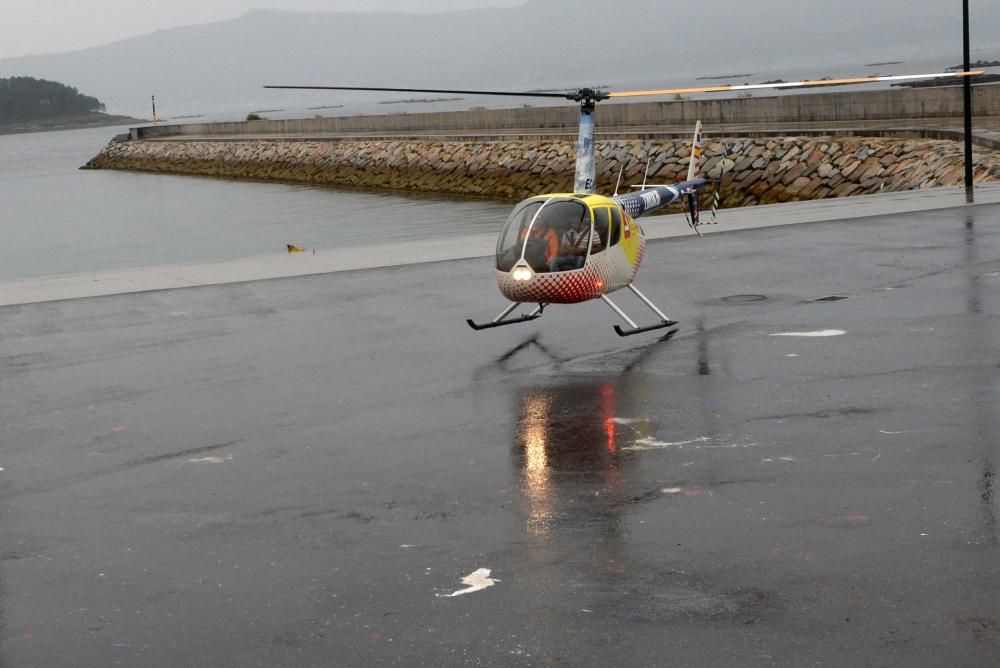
(572, 224)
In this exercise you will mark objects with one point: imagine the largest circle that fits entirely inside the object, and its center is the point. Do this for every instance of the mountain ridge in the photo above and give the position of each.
(220, 67)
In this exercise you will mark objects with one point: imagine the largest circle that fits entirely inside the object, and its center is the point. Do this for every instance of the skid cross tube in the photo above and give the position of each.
(636, 329)
(500, 322)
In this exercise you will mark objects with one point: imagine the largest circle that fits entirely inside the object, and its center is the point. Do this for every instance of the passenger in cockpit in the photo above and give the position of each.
(574, 245)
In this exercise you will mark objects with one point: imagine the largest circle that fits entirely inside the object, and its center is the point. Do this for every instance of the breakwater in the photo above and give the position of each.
(755, 171)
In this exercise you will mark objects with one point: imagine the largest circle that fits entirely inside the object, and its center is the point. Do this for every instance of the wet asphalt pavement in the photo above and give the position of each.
(296, 472)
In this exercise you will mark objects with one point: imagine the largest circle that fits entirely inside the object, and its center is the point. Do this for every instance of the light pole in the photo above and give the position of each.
(967, 85)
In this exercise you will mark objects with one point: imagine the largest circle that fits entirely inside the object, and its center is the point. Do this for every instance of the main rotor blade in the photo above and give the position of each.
(433, 90)
(793, 84)
(594, 95)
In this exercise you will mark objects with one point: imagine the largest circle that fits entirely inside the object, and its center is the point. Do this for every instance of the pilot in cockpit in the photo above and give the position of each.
(542, 246)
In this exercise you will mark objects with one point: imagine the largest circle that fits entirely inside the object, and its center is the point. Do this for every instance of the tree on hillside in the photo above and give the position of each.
(25, 99)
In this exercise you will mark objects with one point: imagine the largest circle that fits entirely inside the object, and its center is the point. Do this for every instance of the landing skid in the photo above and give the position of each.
(633, 327)
(500, 321)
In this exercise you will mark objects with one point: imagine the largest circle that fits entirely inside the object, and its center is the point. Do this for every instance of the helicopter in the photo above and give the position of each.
(567, 248)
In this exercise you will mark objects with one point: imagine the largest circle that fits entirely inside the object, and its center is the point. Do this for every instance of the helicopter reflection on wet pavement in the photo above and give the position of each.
(565, 433)
(574, 439)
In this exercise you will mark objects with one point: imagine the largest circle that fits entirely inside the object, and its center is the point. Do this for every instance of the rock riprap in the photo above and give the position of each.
(755, 171)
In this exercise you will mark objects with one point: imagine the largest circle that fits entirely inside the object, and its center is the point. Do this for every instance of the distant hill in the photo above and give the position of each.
(220, 67)
(27, 103)
(25, 99)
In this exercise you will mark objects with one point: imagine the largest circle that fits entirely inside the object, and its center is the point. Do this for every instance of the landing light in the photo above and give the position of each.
(522, 274)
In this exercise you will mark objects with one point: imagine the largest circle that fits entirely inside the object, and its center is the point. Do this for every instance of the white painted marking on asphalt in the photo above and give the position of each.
(649, 443)
(211, 460)
(819, 333)
(477, 580)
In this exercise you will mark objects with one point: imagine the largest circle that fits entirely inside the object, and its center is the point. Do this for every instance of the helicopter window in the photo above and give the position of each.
(542, 230)
(571, 222)
(601, 223)
(514, 231)
(615, 231)
(562, 215)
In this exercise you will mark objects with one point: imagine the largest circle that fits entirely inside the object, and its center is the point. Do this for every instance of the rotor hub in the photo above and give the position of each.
(588, 98)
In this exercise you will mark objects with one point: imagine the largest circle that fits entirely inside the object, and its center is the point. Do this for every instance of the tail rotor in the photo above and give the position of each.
(691, 207)
(717, 193)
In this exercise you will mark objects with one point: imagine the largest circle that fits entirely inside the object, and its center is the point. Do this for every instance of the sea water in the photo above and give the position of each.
(58, 219)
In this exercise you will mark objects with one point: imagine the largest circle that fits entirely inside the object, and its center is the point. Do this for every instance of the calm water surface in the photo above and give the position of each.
(58, 219)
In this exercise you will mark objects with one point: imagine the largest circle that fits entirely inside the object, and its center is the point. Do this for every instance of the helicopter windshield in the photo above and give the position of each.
(534, 230)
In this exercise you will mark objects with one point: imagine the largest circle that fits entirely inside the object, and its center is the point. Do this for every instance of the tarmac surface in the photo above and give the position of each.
(302, 471)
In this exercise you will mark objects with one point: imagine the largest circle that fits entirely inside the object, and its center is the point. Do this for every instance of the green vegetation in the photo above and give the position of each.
(28, 100)
(255, 117)
(30, 105)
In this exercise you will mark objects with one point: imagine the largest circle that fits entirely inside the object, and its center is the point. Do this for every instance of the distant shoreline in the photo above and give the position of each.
(96, 121)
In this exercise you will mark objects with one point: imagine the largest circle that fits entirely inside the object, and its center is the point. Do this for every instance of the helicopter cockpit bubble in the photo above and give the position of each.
(534, 229)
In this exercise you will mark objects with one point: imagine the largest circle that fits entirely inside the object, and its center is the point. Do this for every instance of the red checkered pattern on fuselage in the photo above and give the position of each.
(569, 287)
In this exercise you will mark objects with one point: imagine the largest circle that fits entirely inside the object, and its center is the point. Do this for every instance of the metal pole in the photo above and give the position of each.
(967, 85)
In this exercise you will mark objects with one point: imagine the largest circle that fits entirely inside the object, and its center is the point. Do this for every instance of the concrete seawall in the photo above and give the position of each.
(757, 171)
(833, 107)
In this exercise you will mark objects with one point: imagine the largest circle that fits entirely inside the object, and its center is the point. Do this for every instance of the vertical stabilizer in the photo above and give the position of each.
(694, 168)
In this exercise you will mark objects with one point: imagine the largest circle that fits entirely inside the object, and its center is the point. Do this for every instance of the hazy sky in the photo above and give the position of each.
(49, 26)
